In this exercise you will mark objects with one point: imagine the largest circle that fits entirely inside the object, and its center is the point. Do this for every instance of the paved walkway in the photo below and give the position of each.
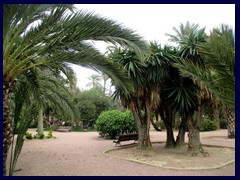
(81, 154)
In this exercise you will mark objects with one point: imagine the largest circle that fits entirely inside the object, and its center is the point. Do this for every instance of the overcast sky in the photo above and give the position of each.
(152, 21)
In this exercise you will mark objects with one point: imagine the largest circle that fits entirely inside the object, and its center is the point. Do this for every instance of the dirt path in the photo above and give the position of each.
(81, 154)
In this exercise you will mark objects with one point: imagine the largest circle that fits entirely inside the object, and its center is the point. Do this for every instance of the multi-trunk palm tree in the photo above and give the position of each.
(187, 37)
(39, 35)
(218, 54)
(148, 76)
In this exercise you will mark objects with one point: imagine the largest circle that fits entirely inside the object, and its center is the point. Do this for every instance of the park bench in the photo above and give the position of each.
(126, 137)
(64, 129)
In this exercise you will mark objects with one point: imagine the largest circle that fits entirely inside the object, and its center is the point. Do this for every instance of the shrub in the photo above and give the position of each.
(39, 136)
(114, 122)
(50, 134)
(28, 135)
(208, 125)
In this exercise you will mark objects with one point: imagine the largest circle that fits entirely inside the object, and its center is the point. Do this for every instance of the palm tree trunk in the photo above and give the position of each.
(167, 118)
(194, 144)
(230, 116)
(40, 121)
(154, 125)
(143, 126)
(181, 133)
(144, 142)
(7, 124)
(216, 117)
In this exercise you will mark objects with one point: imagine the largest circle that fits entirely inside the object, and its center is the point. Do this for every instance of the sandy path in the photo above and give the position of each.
(81, 154)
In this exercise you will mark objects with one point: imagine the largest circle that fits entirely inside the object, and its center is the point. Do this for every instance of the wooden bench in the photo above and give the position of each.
(126, 137)
(64, 129)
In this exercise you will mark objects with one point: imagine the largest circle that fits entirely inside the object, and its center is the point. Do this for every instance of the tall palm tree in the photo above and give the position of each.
(219, 75)
(137, 101)
(188, 37)
(158, 75)
(148, 77)
(38, 35)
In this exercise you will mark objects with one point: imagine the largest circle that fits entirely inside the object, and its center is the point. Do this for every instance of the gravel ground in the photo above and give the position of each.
(81, 154)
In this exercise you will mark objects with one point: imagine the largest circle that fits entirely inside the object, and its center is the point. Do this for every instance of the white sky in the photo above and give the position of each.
(152, 21)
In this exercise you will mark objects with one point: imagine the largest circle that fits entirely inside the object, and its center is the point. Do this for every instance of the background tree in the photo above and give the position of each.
(94, 81)
(90, 105)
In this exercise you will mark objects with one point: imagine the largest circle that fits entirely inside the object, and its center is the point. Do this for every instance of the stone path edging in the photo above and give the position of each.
(174, 168)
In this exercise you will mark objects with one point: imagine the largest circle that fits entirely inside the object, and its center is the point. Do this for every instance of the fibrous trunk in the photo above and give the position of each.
(194, 145)
(154, 125)
(181, 133)
(216, 117)
(143, 126)
(144, 142)
(230, 116)
(7, 124)
(167, 117)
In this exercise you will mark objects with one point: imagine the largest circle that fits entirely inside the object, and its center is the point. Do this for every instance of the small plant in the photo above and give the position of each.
(28, 135)
(40, 135)
(50, 134)
(208, 125)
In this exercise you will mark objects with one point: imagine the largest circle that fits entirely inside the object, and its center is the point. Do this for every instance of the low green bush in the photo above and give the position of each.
(208, 125)
(28, 135)
(112, 123)
(50, 134)
(39, 136)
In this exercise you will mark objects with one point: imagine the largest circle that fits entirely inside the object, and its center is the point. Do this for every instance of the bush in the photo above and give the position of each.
(114, 122)
(50, 134)
(28, 135)
(39, 136)
(208, 125)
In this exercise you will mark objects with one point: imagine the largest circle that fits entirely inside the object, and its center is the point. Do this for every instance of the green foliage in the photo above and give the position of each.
(90, 105)
(39, 136)
(208, 125)
(223, 124)
(33, 124)
(28, 135)
(50, 134)
(114, 122)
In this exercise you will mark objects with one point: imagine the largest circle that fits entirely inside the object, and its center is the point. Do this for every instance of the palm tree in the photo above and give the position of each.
(39, 35)
(219, 75)
(36, 93)
(188, 37)
(158, 75)
(148, 77)
(105, 77)
(94, 81)
(138, 101)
